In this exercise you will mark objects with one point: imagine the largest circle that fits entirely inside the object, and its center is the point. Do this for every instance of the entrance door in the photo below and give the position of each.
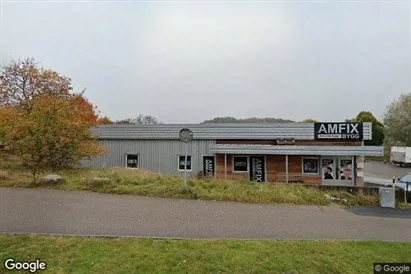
(337, 171)
(329, 169)
(346, 169)
(208, 166)
(257, 168)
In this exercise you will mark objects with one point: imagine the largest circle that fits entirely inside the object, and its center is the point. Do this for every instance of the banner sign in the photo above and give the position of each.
(257, 169)
(338, 131)
(208, 166)
(285, 141)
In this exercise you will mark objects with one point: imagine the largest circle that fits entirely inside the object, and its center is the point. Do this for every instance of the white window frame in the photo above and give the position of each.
(138, 160)
(318, 166)
(242, 156)
(178, 162)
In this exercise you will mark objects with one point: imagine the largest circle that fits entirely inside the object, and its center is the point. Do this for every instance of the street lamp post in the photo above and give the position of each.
(186, 135)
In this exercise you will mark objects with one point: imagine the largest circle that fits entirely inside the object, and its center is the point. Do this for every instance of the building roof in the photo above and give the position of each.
(299, 150)
(266, 131)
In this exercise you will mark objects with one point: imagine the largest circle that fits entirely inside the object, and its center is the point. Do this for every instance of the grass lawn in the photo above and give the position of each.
(127, 255)
(124, 181)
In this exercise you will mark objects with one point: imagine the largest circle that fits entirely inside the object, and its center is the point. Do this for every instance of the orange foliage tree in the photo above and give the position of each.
(21, 81)
(104, 120)
(49, 129)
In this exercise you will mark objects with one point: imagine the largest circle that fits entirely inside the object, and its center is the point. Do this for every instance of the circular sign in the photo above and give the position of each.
(186, 135)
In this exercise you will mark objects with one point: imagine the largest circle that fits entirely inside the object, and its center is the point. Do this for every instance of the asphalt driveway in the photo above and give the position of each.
(384, 171)
(85, 213)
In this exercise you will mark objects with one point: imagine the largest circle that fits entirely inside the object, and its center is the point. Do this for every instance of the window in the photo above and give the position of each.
(311, 165)
(240, 163)
(181, 162)
(132, 160)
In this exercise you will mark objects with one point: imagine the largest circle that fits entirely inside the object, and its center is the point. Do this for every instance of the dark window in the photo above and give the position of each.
(181, 162)
(311, 166)
(132, 160)
(240, 163)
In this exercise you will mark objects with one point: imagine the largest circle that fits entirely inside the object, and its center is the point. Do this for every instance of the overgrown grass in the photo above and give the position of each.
(123, 181)
(127, 255)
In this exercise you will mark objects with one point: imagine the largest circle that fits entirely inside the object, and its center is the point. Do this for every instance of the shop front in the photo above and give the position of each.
(332, 158)
(297, 164)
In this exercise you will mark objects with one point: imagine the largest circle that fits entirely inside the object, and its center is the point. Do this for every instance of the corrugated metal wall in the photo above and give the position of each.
(154, 155)
(298, 131)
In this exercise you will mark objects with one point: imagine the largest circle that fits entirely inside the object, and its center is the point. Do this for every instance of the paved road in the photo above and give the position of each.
(84, 213)
(384, 171)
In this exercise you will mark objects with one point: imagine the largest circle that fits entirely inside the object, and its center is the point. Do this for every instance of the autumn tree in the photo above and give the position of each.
(23, 80)
(104, 120)
(42, 121)
(55, 134)
(397, 121)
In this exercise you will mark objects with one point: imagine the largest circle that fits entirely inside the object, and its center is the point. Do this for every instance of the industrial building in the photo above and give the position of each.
(308, 153)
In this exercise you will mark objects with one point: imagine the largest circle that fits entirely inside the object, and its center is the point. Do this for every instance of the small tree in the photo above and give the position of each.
(377, 127)
(310, 121)
(140, 120)
(397, 121)
(55, 134)
(146, 120)
(41, 120)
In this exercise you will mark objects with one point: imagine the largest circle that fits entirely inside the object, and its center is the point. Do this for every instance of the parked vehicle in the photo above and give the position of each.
(405, 184)
(400, 156)
(403, 181)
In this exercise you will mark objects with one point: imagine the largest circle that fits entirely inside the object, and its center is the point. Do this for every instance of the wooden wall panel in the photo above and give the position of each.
(275, 166)
(312, 179)
(230, 174)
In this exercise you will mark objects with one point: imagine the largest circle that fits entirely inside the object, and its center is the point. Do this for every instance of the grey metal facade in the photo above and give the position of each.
(154, 155)
(158, 146)
(298, 131)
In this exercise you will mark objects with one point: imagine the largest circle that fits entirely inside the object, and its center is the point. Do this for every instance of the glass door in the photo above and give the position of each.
(345, 169)
(328, 167)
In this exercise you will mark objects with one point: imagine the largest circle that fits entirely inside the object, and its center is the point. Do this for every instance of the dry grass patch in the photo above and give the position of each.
(4, 175)
(140, 182)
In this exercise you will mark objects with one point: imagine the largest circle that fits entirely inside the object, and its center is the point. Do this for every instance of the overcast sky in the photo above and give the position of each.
(186, 62)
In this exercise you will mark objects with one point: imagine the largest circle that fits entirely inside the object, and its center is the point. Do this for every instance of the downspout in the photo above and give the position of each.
(225, 166)
(286, 169)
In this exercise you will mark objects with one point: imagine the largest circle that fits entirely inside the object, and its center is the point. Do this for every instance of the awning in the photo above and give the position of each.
(299, 150)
